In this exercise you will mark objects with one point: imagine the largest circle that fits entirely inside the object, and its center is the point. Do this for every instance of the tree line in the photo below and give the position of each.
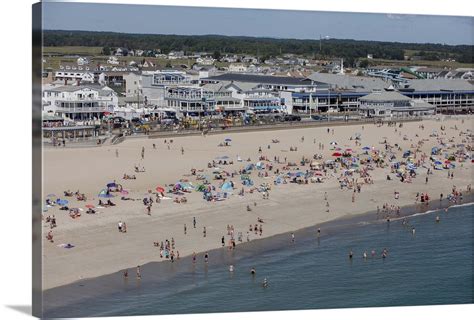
(350, 50)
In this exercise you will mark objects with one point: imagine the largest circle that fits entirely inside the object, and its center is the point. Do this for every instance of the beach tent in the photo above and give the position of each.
(227, 187)
(434, 150)
(280, 179)
(249, 167)
(103, 194)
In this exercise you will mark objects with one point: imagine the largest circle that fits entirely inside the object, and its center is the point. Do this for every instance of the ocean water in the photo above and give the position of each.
(434, 266)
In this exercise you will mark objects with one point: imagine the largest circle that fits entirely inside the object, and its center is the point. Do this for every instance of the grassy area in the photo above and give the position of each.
(426, 63)
(82, 51)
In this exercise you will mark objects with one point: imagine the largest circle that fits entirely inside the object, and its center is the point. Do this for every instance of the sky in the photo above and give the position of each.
(259, 23)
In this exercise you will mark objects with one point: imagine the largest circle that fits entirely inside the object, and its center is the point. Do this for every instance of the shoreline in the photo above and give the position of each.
(159, 272)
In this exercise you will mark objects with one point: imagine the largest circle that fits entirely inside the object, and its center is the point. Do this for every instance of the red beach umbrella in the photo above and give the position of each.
(90, 206)
(336, 154)
(160, 189)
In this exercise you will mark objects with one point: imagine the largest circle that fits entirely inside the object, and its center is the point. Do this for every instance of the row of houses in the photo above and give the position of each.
(197, 94)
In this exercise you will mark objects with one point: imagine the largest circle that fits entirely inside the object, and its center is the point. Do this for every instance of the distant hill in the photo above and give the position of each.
(350, 50)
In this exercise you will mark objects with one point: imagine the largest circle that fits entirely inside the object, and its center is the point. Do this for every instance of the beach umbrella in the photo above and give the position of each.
(338, 149)
(333, 143)
(90, 206)
(111, 185)
(62, 202)
(124, 192)
(437, 162)
(227, 139)
(336, 154)
(366, 148)
(160, 189)
(103, 194)
(348, 150)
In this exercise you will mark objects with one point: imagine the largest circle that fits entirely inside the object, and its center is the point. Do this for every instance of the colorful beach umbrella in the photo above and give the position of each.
(336, 154)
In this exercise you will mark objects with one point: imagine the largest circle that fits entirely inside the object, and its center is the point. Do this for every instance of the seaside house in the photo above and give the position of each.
(80, 103)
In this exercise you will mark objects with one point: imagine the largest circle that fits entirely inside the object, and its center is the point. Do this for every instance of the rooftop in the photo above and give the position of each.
(242, 77)
(384, 96)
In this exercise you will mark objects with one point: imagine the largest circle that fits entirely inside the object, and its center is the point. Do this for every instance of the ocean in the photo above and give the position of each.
(432, 266)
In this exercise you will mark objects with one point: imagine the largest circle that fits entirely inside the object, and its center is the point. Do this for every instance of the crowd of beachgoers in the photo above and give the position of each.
(401, 158)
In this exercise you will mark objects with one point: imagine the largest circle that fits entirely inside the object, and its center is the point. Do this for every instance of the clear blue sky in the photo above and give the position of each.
(267, 23)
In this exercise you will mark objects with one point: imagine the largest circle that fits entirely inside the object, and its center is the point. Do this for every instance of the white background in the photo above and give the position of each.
(15, 177)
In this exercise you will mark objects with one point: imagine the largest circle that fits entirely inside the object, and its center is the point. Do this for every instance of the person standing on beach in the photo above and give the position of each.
(143, 153)
(182, 150)
(185, 229)
(292, 237)
(139, 276)
(194, 257)
(116, 153)
(194, 222)
(204, 232)
(223, 241)
(206, 257)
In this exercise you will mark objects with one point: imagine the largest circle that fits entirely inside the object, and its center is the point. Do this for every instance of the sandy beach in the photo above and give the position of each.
(99, 248)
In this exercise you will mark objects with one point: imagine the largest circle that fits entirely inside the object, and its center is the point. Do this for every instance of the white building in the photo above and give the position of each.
(112, 60)
(80, 102)
(392, 104)
(237, 67)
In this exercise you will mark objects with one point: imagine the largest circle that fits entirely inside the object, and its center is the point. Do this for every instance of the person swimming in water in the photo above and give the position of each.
(253, 271)
(350, 254)
(265, 283)
(437, 219)
(413, 230)
(231, 268)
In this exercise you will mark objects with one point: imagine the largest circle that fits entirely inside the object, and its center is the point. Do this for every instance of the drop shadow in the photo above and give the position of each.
(25, 309)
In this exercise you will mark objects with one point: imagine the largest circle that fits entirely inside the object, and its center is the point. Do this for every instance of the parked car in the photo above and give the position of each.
(319, 118)
(292, 117)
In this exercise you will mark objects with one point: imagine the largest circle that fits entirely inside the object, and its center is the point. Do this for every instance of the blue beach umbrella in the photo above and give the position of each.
(366, 148)
(227, 139)
(111, 185)
(62, 202)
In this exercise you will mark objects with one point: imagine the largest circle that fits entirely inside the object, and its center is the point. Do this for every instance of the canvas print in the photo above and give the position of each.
(199, 160)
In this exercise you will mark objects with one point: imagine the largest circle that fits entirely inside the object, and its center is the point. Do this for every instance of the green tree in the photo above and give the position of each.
(216, 55)
(364, 63)
(106, 51)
